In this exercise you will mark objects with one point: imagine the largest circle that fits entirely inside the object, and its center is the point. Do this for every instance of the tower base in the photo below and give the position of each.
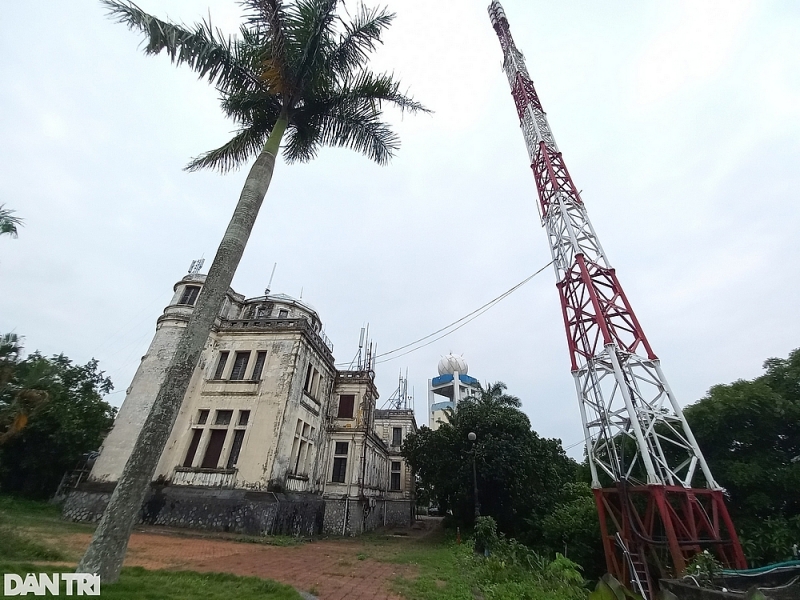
(653, 531)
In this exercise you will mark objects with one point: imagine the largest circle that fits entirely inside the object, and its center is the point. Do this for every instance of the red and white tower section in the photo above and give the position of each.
(657, 499)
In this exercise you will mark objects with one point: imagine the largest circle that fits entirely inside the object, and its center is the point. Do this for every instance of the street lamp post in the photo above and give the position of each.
(472, 437)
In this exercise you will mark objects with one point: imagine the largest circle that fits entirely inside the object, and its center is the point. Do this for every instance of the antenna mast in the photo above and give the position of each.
(269, 284)
(638, 442)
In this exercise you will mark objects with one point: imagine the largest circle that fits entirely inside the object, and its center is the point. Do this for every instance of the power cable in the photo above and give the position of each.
(463, 321)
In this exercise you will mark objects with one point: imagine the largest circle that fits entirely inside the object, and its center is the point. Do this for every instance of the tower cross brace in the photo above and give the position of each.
(657, 500)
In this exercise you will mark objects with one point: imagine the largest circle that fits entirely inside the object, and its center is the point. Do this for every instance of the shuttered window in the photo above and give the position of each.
(346, 404)
(258, 368)
(215, 443)
(196, 435)
(240, 365)
(189, 296)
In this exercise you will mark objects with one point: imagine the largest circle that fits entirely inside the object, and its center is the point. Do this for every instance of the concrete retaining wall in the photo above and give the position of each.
(240, 511)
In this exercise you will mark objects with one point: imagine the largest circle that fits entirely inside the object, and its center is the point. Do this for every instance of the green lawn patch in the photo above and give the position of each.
(136, 583)
(16, 546)
(450, 571)
(37, 516)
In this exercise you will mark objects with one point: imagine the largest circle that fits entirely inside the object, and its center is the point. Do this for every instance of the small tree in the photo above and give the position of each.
(520, 474)
(69, 419)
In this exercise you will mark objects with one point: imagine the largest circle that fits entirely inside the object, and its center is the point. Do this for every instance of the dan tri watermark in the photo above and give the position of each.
(43, 584)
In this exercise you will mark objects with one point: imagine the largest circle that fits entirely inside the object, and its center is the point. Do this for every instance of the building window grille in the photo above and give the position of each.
(395, 483)
(223, 360)
(238, 437)
(202, 417)
(196, 435)
(214, 449)
(261, 358)
(240, 365)
(189, 295)
(223, 417)
(340, 462)
(346, 405)
(397, 436)
(244, 417)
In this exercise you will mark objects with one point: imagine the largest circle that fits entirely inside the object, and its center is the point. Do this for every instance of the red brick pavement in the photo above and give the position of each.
(330, 569)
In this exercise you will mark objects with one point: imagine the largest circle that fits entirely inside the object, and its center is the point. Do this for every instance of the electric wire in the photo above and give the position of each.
(463, 321)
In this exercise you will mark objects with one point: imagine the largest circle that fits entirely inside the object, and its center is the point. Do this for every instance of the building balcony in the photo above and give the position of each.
(298, 483)
(217, 478)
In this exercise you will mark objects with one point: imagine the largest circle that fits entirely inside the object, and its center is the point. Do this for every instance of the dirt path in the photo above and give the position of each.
(341, 569)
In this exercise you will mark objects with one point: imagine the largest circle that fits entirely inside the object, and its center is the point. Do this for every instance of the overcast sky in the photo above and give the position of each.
(679, 121)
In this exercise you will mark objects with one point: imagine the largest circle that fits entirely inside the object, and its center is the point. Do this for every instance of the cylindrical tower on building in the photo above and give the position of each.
(452, 385)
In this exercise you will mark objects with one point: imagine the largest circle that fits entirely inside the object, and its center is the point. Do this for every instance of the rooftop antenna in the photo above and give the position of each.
(196, 265)
(269, 285)
(360, 347)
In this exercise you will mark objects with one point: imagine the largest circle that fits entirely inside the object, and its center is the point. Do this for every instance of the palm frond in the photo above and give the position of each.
(379, 88)
(247, 108)
(312, 31)
(245, 144)
(356, 126)
(8, 222)
(205, 50)
(359, 39)
(267, 18)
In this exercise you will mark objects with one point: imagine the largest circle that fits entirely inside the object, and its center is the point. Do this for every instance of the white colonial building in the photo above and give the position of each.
(271, 436)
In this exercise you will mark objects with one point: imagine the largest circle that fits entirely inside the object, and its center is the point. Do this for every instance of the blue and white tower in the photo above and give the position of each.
(451, 386)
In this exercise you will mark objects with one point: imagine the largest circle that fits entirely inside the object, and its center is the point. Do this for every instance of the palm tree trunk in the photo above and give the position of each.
(110, 542)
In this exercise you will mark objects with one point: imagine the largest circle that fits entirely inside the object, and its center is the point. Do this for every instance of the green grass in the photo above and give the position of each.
(22, 522)
(16, 546)
(38, 516)
(136, 583)
(450, 571)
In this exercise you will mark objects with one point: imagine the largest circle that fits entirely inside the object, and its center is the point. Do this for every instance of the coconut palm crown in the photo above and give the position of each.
(8, 222)
(296, 69)
(494, 394)
(298, 66)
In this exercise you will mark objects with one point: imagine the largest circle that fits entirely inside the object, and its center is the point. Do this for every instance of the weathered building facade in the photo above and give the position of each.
(271, 437)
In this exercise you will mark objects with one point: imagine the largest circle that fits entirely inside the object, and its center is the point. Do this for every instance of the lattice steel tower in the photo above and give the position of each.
(657, 499)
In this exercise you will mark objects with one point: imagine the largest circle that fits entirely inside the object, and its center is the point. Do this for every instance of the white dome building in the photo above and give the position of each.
(452, 363)
(452, 385)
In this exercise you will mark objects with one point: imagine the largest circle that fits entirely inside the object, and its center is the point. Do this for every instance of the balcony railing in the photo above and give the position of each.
(219, 478)
(298, 483)
(277, 325)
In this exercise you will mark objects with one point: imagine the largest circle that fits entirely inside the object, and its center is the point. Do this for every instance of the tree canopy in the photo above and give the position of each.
(519, 473)
(65, 416)
(749, 432)
(494, 393)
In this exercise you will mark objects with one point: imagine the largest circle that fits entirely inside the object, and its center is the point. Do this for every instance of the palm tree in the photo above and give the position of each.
(296, 70)
(494, 395)
(8, 222)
